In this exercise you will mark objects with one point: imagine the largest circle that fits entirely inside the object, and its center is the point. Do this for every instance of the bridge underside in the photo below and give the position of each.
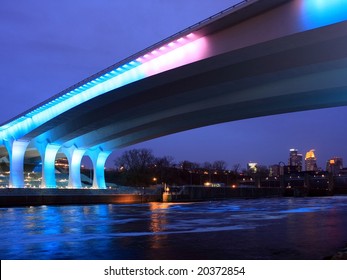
(295, 73)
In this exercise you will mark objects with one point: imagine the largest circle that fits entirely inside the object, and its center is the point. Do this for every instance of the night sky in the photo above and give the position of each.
(47, 46)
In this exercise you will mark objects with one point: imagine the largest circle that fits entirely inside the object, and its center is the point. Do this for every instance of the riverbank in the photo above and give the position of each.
(32, 197)
(202, 193)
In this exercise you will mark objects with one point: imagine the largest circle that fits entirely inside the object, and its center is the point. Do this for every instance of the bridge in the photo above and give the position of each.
(260, 57)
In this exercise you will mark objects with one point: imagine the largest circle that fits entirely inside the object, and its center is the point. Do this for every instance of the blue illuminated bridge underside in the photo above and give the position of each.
(238, 69)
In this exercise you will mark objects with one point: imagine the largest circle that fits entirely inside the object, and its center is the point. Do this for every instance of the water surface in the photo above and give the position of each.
(276, 228)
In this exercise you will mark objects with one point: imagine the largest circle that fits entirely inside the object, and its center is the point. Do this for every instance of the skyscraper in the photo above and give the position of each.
(334, 165)
(310, 161)
(295, 159)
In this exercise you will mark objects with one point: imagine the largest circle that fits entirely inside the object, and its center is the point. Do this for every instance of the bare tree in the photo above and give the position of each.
(136, 164)
(219, 165)
(236, 168)
(164, 162)
(163, 166)
(207, 165)
(135, 159)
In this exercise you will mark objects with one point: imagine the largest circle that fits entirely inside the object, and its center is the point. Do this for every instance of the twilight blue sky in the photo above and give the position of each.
(46, 46)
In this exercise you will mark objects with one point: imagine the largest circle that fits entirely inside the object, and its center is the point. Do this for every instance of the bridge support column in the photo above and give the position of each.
(74, 156)
(99, 159)
(16, 150)
(48, 154)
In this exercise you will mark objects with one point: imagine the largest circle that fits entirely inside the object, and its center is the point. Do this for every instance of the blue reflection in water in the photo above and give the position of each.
(258, 228)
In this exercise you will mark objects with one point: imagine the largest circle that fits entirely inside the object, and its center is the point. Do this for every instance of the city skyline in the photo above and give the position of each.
(43, 54)
(302, 163)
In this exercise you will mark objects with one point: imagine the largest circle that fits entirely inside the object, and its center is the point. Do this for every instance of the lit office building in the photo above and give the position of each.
(310, 161)
(252, 167)
(334, 165)
(295, 160)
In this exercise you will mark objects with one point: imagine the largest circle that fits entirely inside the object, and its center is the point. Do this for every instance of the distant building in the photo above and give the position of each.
(310, 161)
(334, 165)
(62, 165)
(216, 185)
(252, 167)
(290, 169)
(295, 160)
(275, 170)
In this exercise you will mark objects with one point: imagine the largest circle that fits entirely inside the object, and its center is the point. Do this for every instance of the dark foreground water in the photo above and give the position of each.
(277, 228)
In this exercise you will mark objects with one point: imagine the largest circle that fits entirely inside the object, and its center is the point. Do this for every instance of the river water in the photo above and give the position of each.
(272, 228)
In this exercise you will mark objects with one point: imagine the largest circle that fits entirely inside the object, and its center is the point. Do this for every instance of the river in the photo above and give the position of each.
(270, 229)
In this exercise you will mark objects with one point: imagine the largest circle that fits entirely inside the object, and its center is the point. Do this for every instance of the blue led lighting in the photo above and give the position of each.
(317, 13)
(24, 124)
(129, 72)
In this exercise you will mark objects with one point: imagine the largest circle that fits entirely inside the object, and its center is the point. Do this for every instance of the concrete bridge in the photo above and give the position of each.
(260, 57)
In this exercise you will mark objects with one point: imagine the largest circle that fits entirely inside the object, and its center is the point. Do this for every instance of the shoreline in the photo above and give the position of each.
(12, 197)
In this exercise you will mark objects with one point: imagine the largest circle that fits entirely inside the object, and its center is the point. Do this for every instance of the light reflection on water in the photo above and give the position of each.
(282, 228)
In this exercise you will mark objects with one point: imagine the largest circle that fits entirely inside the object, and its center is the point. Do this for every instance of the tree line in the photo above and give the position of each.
(139, 167)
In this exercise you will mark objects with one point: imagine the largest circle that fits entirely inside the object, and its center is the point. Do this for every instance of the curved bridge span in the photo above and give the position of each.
(258, 58)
